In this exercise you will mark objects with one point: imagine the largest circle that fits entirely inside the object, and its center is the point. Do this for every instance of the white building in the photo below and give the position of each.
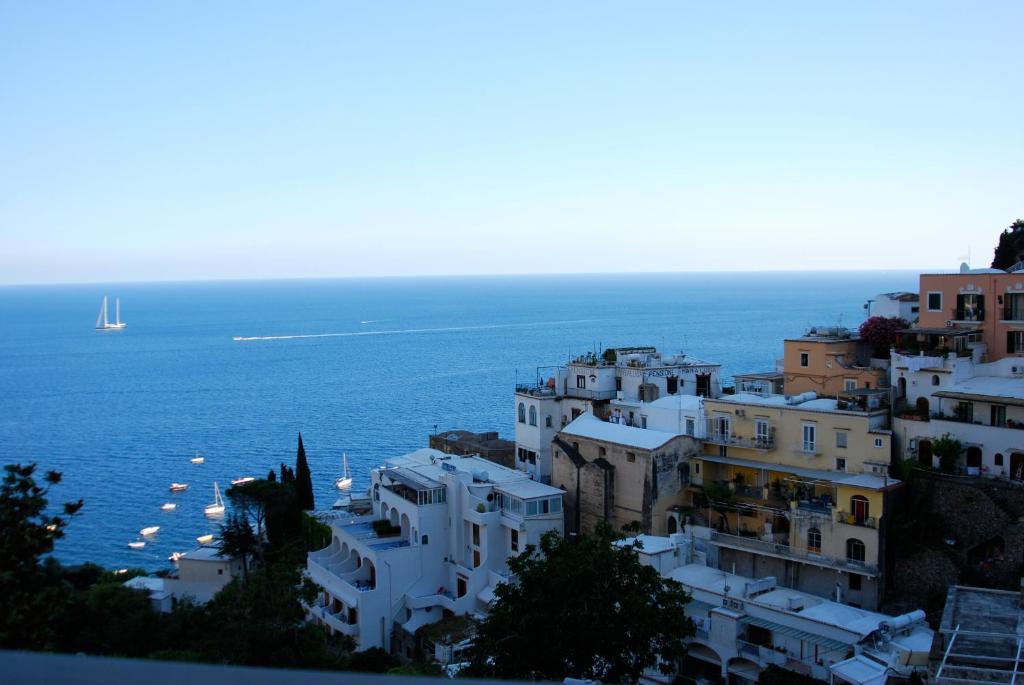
(637, 377)
(200, 575)
(437, 542)
(902, 305)
(745, 624)
(981, 405)
(675, 414)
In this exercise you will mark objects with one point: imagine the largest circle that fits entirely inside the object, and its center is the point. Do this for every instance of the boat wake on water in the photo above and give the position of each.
(406, 331)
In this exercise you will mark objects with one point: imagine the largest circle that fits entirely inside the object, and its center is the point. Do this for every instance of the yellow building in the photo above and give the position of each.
(797, 488)
(829, 361)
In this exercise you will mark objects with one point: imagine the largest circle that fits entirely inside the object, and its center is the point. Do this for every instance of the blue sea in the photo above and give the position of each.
(367, 367)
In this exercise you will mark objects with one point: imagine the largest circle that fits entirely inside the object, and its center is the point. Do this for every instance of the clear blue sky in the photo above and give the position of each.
(181, 140)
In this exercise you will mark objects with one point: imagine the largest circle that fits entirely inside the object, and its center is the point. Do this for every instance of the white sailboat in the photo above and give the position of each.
(345, 482)
(103, 323)
(168, 506)
(198, 459)
(217, 508)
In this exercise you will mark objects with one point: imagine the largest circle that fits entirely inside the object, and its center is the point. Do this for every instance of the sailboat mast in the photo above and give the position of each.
(105, 321)
(117, 311)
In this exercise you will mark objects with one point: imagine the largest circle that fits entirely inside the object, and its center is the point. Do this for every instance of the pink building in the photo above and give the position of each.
(987, 302)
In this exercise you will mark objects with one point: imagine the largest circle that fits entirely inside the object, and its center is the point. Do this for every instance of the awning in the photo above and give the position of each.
(974, 397)
(827, 643)
(866, 481)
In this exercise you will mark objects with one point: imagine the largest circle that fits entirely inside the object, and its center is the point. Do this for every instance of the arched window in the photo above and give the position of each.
(533, 416)
(859, 508)
(935, 380)
(854, 550)
(522, 413)
(813, 540)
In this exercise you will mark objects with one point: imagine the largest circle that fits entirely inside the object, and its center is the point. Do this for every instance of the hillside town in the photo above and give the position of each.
(850, 515)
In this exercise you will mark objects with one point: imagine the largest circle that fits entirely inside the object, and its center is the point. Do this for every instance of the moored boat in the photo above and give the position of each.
(243, 480)
(198, 459)
(168, 506)
(217, 508)
(345, 482)
(203, 539)
(150, 530)
(138, 544)
(179, 487)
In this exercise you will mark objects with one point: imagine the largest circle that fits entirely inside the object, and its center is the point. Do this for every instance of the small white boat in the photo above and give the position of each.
(138, 544)
(198, 459)
(217, 508)
(175, 556)
(179, 487)
(203, 539)
(103, 324)
(243, 480)
(151, 530)
(168, 506)
(345, 482)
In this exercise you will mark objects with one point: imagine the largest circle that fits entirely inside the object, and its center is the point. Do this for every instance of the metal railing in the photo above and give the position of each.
(588, 394)
(967, 314)
(783, 550)
(755, 443)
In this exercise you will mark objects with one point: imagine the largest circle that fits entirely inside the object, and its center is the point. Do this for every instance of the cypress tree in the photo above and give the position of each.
(303, 479)
(272, 477)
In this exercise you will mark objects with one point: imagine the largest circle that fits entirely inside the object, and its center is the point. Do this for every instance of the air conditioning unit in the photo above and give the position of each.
(949, 324)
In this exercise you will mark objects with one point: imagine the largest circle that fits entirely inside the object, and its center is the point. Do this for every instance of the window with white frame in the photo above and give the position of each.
(841, 439)
(849, 384)
(690, 426)
(805, 359)
(762, 430)
(810, 433)
(878, 442)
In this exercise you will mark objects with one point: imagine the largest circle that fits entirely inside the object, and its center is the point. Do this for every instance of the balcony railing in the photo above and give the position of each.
(852, 520)
(589, 394)
(785, 551)
(1013, 313)
(766, 443)
(968, 314)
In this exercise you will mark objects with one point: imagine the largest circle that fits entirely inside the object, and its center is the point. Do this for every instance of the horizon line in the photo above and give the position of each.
(381, 277)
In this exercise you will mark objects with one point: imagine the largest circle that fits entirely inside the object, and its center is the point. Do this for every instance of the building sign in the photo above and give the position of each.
(668, 371)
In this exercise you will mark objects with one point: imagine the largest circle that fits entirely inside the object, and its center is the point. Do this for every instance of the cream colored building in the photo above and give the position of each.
(619, 474)
(797, 488)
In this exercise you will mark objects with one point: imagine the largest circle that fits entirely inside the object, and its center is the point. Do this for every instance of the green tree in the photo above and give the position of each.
(32, 592)
(303, 479)
(582, 608)
(237, 539)
(1010, 248)
(947, 449)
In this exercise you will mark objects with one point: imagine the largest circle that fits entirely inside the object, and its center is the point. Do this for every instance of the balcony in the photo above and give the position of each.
(538, 390)
(968, 314)
(763, 444)
(589, 394)
(851, 520)
(335, 620)
(784, 551)
(345, 588)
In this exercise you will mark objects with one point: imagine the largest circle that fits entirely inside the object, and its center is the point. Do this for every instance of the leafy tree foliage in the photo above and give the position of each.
(303, 479)
(1010, 248)
(238, 539)
(947, 449)
(880, 332)
(582, 608)
(27, 533)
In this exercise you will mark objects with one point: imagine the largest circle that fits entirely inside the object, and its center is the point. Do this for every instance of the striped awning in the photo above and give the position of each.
(827, 643)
